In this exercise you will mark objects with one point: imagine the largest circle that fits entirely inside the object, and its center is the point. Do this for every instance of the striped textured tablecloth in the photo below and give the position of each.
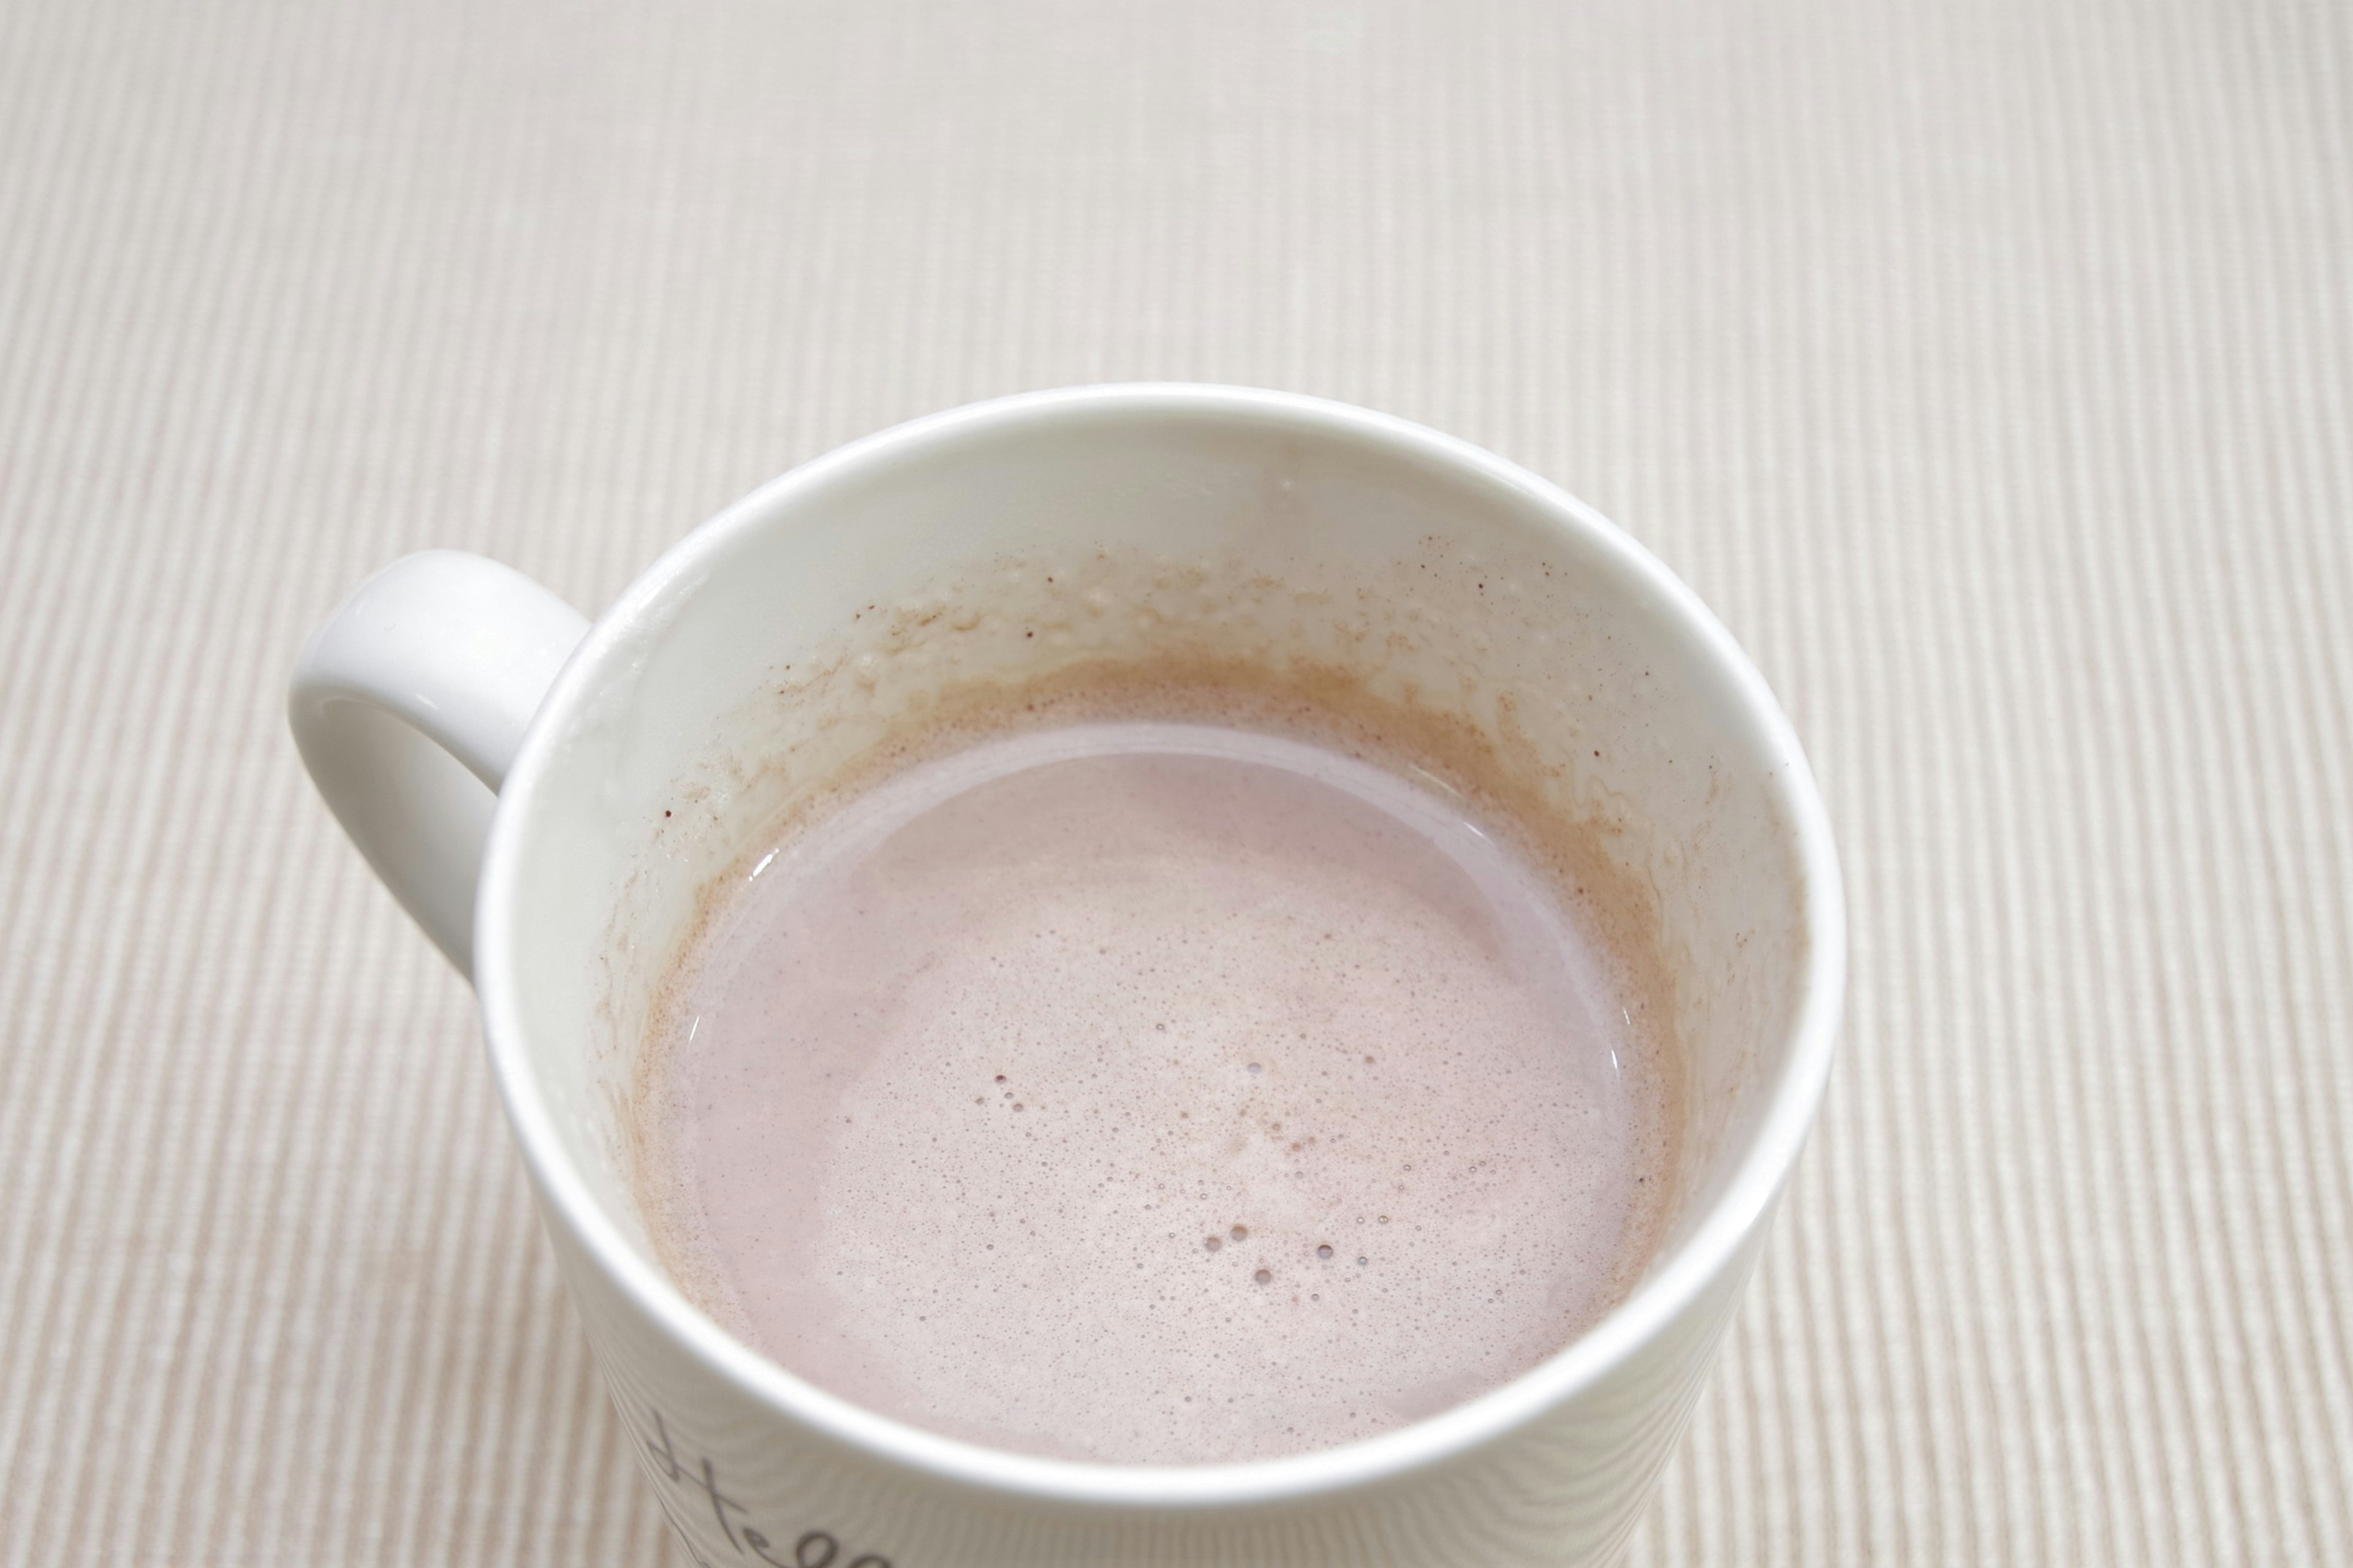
(1988, 364)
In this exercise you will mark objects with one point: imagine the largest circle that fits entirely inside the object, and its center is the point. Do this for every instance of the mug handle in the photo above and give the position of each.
(409, 706)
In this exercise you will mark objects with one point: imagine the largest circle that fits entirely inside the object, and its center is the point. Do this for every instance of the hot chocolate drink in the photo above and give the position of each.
(1158, 1093)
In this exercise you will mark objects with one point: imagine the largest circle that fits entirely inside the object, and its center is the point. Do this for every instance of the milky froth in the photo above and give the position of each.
(1155, 1093)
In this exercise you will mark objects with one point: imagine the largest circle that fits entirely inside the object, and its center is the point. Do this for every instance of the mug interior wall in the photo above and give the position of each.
(813, 618)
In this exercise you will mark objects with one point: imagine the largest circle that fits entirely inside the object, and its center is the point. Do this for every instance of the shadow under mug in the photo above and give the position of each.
(551, 800)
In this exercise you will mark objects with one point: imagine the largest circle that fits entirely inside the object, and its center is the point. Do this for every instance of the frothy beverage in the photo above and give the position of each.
(1158, 1093)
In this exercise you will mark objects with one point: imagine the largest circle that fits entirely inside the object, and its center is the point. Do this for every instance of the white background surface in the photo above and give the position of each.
(1987, 366)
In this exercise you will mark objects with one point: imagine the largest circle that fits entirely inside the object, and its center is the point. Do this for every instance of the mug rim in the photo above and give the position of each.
(1658, 1299)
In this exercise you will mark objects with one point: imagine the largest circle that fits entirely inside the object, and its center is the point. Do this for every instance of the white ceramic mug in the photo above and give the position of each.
(550, 798)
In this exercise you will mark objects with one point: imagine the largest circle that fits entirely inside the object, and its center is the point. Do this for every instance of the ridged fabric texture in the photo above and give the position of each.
(1988, 365)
